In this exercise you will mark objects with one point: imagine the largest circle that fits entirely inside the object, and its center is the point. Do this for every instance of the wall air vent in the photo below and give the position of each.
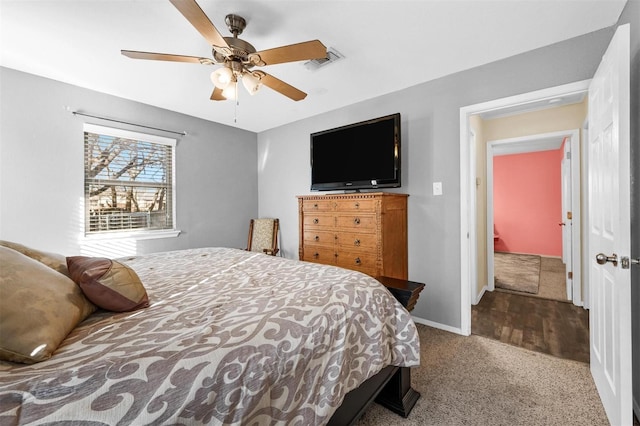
(332, 56)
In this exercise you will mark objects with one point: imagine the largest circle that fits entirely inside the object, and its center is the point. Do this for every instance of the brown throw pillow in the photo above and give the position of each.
(109, 284)
(52, 260)
(38, 308)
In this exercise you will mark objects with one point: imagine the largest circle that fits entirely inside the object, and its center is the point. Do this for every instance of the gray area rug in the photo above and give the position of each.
(517, 272)
(478, 381)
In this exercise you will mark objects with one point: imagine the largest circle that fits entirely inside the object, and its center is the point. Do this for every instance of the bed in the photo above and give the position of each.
(228, 337)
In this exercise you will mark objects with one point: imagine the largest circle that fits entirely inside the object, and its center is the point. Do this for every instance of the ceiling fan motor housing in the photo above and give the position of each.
(240, 50)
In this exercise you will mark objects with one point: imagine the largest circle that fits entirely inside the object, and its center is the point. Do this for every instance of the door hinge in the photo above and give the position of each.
(569, 215)
(569, 155)
(570, 275)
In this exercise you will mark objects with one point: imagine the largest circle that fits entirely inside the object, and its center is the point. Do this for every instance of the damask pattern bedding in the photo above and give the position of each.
(230, 337)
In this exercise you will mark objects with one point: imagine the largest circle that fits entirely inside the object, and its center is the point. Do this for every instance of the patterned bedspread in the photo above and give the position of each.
(231, 337)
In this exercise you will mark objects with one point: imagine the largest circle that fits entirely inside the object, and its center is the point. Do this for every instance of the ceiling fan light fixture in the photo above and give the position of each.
(251, 82)
(222, 77)
(231, 91)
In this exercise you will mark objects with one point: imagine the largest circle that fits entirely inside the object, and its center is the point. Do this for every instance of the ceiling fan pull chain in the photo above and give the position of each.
(235, 111)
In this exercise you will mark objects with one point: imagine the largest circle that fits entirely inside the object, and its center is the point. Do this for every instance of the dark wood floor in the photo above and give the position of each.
(549, 326)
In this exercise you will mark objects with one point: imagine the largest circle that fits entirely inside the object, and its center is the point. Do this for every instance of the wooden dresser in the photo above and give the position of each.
(366, 232)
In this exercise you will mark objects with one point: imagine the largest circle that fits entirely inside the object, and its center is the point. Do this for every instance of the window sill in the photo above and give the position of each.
(141, 235)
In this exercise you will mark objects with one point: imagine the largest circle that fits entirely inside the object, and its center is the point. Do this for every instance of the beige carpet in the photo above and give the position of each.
(477, 381)
(518, 272)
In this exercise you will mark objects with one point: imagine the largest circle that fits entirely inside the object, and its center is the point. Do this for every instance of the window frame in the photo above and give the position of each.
(137, 234)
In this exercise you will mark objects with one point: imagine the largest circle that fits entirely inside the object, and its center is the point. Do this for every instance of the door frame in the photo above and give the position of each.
(533, 143)
(468, 272)
(584, 202)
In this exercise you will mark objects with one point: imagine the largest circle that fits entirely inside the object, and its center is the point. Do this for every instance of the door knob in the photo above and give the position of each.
(561, 224)
(602, 258)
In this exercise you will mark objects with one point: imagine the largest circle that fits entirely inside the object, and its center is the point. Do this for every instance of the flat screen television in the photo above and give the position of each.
(363, 155)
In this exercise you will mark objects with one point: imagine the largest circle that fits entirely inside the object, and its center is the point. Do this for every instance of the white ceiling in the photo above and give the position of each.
(388, 46)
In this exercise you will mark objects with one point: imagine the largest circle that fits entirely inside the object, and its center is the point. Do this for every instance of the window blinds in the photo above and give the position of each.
(128, 182)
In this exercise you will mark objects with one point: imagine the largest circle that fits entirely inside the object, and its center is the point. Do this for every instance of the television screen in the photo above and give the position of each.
(363, 155)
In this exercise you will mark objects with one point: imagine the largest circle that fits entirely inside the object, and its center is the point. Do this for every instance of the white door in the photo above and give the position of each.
(566, 214)
(609, 230)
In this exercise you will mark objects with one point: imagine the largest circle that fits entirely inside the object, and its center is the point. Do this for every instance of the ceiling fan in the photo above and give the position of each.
(236, 56)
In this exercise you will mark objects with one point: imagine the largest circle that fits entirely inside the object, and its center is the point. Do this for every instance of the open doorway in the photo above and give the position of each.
(473, 277)
(526, 205)
(532, 246)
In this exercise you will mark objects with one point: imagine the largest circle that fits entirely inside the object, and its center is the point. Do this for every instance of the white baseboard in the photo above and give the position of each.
(439, 326)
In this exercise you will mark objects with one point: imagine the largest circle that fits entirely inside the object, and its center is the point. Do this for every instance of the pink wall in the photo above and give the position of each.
(527, 203)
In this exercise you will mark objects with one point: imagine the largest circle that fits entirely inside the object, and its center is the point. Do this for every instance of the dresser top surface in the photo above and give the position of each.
(359, 195)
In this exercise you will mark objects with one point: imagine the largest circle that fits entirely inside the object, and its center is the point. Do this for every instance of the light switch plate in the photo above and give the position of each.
(437, 188)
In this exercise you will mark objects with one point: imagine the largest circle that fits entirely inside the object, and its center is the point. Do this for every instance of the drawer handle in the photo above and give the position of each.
(356, 243)
(315, 221)
(335, 254)
(317, 238)
(358, 261)
(316, 255)
(357, 205)
(315, 206)
(356, 221)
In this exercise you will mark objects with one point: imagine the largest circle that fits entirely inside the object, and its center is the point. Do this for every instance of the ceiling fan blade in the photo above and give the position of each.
(282, 87)
(196, 16)
(313, 49)
(164, 57)
(216, 95)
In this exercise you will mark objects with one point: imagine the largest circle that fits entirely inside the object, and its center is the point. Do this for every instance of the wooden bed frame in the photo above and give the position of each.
(391, 388)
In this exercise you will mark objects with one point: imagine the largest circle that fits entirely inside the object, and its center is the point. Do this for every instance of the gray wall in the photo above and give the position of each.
(41, 169)
(430, 152)
(631, 14)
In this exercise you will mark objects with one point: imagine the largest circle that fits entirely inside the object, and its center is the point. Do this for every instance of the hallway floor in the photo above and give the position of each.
(549, 326)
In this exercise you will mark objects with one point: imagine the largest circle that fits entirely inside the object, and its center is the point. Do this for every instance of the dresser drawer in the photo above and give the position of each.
(319, 254)
(315, 237)
(317, 206)
(364, 262)
(356, 222)
(349, 240)
(313, 221)
(368, 206)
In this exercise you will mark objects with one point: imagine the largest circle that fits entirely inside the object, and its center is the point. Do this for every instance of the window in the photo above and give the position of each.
(128, 181)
